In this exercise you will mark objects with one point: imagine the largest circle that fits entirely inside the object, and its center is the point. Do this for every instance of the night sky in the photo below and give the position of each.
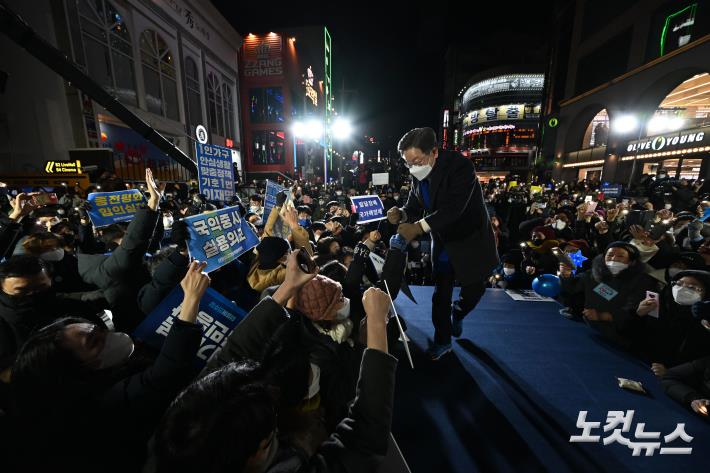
(392, 53)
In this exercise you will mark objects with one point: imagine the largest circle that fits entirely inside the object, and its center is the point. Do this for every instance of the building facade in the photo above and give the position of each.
(174, 63)
(629, 94)
(287, 103)
(496, 122)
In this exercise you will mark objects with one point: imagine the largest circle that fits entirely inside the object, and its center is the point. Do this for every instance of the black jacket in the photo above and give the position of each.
(121, 274)
(109, 428)
(359, 442)
(687, 382)
(630, 286)
(457, 216)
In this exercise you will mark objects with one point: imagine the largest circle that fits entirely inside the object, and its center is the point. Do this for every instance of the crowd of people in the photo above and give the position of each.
(635, 268)
(305, 381)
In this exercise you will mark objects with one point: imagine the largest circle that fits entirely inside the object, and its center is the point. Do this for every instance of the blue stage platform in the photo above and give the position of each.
(508, 398)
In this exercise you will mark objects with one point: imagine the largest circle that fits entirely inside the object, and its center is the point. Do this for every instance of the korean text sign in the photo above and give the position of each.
(217, 316)
(369, 208)
(114, 207)
(215, 172)
(219, 237)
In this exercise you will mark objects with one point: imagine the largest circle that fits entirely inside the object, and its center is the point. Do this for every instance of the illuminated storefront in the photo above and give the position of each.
(498, 123)
(285, 79)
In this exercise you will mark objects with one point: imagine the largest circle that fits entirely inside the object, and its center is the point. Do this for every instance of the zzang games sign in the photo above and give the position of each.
(262, 56)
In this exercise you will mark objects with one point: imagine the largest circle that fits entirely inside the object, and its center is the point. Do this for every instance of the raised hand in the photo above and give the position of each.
(153, 190)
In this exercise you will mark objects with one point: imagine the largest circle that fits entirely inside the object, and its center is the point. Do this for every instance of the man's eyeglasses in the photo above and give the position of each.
(416, 162)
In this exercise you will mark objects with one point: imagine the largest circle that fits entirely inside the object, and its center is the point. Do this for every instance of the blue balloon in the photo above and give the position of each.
(547, 285)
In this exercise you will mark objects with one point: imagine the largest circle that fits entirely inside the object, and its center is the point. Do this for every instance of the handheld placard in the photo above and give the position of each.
(399, 325)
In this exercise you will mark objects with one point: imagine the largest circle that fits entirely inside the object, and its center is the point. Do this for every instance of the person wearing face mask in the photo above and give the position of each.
(561, 225)
(121, 273)
(241, 416)
(64, 266)
(304, 216)
(509, 274)
(446, 200)
(27, 301)
(611, 292)
(256, 205)
(539, 258)
(75, 382)
(677, 335)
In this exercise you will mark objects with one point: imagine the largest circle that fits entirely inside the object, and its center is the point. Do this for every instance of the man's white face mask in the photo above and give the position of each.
(420, 172)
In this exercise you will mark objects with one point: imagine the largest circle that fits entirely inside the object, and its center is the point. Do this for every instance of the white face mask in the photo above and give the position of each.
(254, 208)
(344, 312)
(314, 386)
(53, 256)
(338, 192)
(673, 271)
(118, 348)
(560, 224)
(168, 221)
(668, 206)
(685, 296)
(615, 267)
(420, 172)
(509, 271)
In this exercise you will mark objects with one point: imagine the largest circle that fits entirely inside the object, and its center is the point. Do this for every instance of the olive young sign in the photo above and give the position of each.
(670, 141)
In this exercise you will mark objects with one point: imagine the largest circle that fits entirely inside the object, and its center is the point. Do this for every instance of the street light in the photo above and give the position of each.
(625, 123)
(342, 129)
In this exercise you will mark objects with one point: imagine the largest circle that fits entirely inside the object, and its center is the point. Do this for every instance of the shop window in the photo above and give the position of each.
(159, 76)
(228, 109)
(597, 133)
(268, 147)
(107, 45)
(685, 107)
(214, 103)
(194, 101)
(266, 105)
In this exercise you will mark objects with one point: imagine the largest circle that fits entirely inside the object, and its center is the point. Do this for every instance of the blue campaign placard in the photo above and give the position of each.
(272, 189)
(215, 172)
(369, 208)
(217, 315)
(114, 207)
(219, 237)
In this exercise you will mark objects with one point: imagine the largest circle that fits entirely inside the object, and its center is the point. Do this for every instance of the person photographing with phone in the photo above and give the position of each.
(447, 202)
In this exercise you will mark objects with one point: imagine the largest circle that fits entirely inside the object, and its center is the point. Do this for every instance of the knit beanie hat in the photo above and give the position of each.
(271, 250)
(319, 297)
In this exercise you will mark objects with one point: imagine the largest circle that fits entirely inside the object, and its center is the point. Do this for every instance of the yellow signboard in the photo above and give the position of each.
(513, 111)
(512, 184)
(535, 189)
(63, 167)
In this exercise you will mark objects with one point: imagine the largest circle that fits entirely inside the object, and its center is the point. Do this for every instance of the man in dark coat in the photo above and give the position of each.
(446, 200)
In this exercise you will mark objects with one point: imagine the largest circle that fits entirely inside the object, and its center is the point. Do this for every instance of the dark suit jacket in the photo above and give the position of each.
(458, 217)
